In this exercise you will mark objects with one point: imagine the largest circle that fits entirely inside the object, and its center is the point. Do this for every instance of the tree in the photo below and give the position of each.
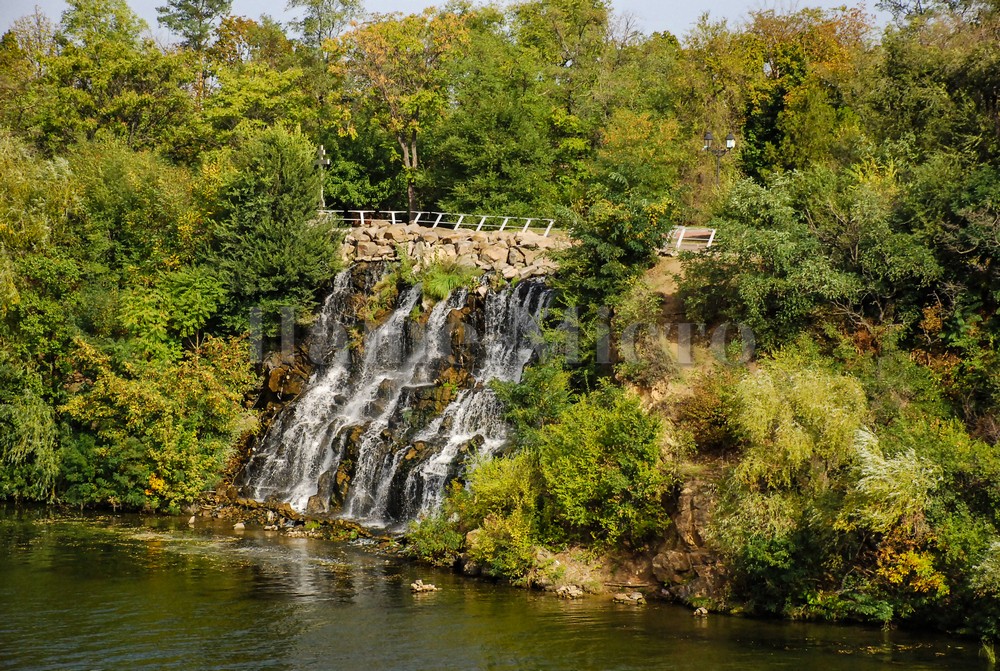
(323, 19)
(497, 157)
(94, 22)
(193, 20)
(269, 249)
(397, 64)
(106, 78)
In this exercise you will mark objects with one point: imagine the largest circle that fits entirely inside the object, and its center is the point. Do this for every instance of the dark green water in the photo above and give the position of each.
(132, 593)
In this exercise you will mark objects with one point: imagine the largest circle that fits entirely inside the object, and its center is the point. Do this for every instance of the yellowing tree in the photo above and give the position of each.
(397, 64)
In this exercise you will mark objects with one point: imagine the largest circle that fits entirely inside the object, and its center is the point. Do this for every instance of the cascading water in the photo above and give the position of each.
(378, 435)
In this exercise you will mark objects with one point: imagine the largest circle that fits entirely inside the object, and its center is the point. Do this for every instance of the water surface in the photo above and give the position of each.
(125, 592)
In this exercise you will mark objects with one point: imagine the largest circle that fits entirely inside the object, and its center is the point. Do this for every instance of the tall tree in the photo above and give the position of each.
(270, 250)
(324, 19)
(398, 65)
(193, 20)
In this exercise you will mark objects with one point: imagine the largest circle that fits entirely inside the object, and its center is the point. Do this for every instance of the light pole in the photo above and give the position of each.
(718, 152)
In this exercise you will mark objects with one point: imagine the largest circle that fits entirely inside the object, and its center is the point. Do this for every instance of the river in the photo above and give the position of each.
(132, 592)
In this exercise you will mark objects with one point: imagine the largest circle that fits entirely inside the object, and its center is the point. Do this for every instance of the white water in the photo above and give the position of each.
(398, 471)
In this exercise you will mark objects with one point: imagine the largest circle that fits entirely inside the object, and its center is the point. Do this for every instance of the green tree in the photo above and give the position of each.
(107, 79)
(323, 20)
(270, 249)
(194, 20)
(398, 65)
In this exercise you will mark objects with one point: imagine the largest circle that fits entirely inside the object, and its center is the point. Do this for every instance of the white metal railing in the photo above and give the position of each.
(452, 220)
(689, 238)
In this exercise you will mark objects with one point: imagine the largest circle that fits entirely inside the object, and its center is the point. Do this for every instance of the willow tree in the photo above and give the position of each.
(398, 66)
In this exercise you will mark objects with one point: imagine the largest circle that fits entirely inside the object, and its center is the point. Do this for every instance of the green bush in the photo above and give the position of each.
(603, 474)
(541, 396)
(798, 420)
(158, 433)
(501, 486)
(503, 546)
(435, 539)
(440, 278)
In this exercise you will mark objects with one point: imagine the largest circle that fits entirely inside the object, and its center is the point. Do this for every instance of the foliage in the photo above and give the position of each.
(159, 432)
(440, 278)
(538, 400)
(799, 423)
(193, 19)
(397, 63)
(28, 435)
(270, 248)
(434, 538)
(602, 470)
(503, 546)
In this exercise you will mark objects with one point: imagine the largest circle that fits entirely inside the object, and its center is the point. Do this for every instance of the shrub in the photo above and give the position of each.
(500, 486)
(602, 470)
(798, 420)
(440, 278)
(541, 396)
(503, 545)
(434, 538)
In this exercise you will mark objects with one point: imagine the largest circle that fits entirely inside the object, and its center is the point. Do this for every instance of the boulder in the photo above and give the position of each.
(239, 526)
(631, 598)
(670, 566)
(494, 255)
(366, 249)
(420, 587)
(397, 233)
(444, 252)
(515, 257)
(316, 505)
(569, 592)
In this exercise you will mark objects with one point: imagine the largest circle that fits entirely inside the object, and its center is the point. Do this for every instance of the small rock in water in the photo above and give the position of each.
(420, 586)
(569, 592)
(701, 611)
(239, 526)
(634, 598)
(191, 521)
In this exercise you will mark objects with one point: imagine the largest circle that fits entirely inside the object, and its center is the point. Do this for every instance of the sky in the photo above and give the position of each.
(675, 16)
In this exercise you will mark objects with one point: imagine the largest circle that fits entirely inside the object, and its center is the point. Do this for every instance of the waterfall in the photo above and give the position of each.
(380, 430)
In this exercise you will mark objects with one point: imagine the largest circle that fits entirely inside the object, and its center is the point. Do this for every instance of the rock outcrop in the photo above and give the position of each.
(689, 571)
(512, 254)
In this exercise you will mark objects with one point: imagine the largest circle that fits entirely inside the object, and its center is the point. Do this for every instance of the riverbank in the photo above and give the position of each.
(151, 592)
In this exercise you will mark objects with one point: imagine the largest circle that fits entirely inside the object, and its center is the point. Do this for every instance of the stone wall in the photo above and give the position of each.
(509, 253)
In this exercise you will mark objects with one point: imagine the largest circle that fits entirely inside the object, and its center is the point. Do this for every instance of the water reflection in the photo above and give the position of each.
(122, 592)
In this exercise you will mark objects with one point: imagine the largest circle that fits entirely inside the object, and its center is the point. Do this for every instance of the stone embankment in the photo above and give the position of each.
(508, 253)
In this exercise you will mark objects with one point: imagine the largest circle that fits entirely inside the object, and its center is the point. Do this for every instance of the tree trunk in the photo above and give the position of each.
(411, 194)
(409, 147)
